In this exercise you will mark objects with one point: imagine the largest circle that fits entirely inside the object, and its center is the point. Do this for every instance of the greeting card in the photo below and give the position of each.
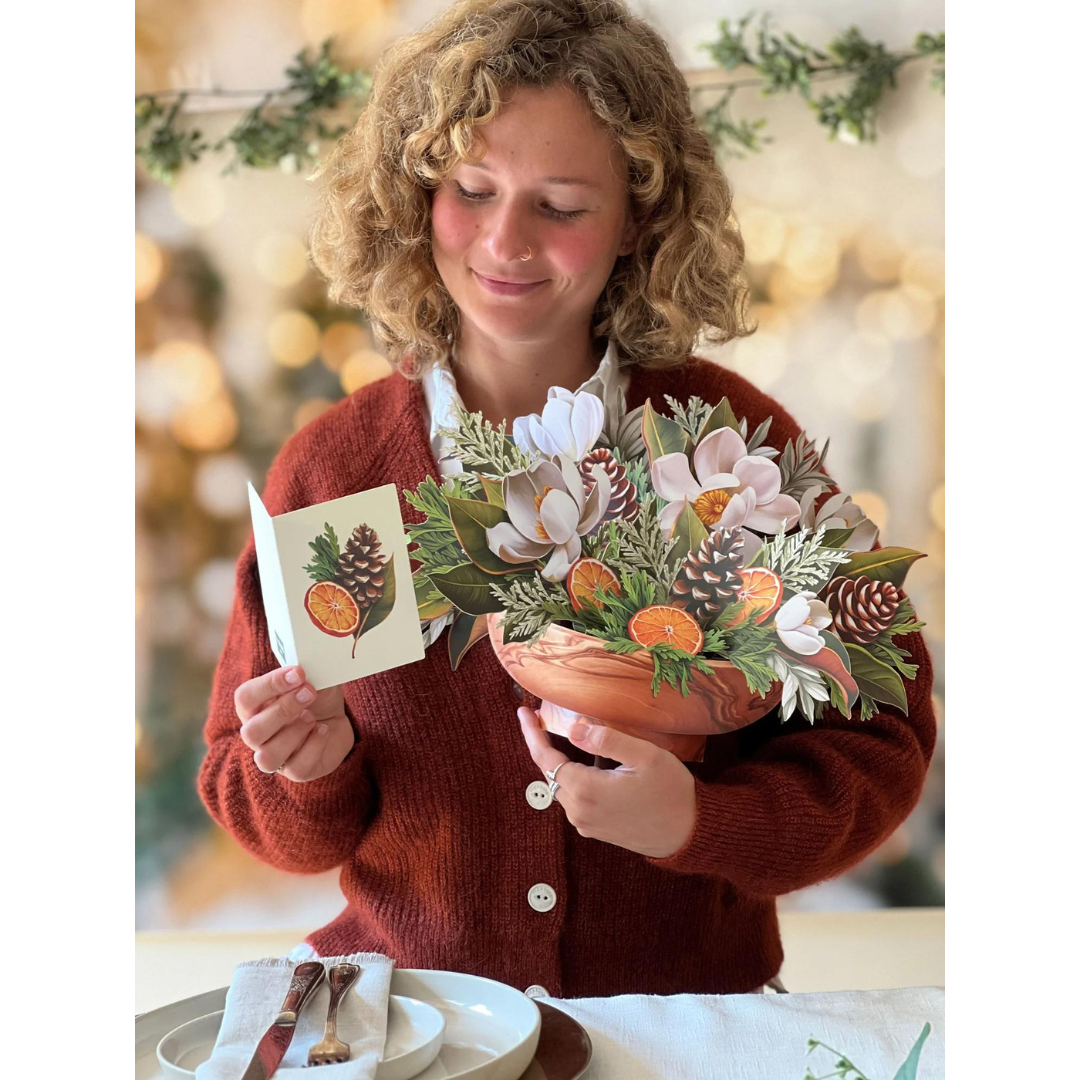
(336, 586)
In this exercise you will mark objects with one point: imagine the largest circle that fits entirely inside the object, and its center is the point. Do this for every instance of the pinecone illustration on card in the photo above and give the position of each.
(327, 574)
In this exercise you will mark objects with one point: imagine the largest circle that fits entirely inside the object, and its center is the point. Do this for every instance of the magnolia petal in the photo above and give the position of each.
(541, 439)
(820, 615)
(546, 474)
(598, 501)
(718, 452)
(762, 475)
(833, 506)
(752, 544)
(556, 421)
(511, 546)
(562, 557)
(572, 481)
(559, 393)
(719, 481)
(670, 514)
(806, 503)
(794, 613)
(738, 510)
(672, 479)
(521, 435)
(862, 539)
(804, 641)
(586, 422)
(520, 497)
(771, 517)
(559, 515)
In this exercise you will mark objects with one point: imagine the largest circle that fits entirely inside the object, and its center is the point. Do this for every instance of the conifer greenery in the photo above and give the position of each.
(287, 126)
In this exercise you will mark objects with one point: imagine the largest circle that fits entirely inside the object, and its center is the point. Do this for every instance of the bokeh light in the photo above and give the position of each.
(764, 233)
(221, 485)
(900, 314)
(864, 358)
(281, 259)
(762, 358)
(340, 340)
(878, 254)
(215, 584)
(178, 374)
(209, 425)
(873, 506)
(149, 267)
(293, 338)
(937, 507)
(309, 410)
(363, 367)
(813, 257)
(198, 198)
(920, 148)
(925, 267)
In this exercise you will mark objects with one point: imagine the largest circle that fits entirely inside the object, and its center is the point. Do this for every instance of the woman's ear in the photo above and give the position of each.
(629, 238)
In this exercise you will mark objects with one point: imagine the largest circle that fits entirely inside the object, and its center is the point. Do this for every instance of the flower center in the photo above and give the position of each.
(541, 532)
(709, 505)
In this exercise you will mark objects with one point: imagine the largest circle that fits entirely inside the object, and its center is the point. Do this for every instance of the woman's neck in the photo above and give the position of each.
(506, 382)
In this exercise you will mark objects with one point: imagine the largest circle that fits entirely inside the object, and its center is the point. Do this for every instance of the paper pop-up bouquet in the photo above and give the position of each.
(668, 575)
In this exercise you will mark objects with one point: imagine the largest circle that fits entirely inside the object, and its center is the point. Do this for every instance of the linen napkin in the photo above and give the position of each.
(759, 1036)
(259, 987)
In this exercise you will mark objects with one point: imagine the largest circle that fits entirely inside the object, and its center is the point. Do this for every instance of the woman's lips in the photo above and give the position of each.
(505, 288)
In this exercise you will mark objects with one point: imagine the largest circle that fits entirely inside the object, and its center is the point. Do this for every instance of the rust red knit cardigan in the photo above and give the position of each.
(428, 819)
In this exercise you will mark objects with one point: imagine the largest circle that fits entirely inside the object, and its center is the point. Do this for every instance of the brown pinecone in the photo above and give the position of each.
(624, 503)
(361, 569)
(709, 579)
(862, 608)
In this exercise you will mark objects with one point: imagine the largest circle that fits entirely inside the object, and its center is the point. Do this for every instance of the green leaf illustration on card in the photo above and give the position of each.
(467, 587)
(661, 434)
(430, 603)
(910, 1067)
(471, 519)
(380, 610)
(689, 532)
(886, 564)
(877, 680)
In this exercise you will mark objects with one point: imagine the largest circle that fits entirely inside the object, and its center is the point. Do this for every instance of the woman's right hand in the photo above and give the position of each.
(286, 723)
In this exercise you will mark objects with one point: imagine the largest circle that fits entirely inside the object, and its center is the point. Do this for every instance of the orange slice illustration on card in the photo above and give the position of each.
(332, 609)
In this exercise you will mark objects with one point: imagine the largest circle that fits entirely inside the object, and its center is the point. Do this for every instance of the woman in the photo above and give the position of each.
(547, 145)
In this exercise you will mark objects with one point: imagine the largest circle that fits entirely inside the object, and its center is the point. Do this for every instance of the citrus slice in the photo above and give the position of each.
(585, 577)
(758, 596)
(663, 625)
(332, 608)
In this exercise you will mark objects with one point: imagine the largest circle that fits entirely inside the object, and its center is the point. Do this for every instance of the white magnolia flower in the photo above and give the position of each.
(800, 621)
(570, 425)
(731, 489)
(549, 512)
(838, 512)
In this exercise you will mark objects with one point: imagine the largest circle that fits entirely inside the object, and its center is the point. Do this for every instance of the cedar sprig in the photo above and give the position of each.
(484, 448)
(437, 545)
(690, 417)
(531, 606)
(324, 567)
(884, 648)
(801, 560)
(644, 546)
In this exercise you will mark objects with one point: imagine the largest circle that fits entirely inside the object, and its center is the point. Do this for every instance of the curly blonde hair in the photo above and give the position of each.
(372, 233)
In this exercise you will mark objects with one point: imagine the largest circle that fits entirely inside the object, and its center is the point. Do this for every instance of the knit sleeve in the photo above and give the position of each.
(804, 802)
(302, 827)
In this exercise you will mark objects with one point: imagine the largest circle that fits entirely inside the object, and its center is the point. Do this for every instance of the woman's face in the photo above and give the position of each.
(485, 216)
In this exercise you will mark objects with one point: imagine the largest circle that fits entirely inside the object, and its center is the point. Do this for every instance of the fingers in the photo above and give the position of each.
(306, 763)
(254, 695)
(264, 725)
(544, 754)
(276, 751)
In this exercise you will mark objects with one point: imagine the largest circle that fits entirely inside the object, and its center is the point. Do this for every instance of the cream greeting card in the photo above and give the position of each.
(336, 586)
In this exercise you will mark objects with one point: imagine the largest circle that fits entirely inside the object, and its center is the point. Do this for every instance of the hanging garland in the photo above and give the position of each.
(290, 138)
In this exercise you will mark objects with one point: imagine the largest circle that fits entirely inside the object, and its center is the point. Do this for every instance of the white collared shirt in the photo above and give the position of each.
(441, 398)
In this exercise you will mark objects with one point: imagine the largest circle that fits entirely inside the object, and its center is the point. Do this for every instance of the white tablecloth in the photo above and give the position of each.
(760, 1037)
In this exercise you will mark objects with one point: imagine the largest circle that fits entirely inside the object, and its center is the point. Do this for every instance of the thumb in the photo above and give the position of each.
(606, 742)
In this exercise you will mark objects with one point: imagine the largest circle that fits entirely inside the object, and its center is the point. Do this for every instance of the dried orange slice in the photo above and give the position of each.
(758, 596)
(332, 609)
(663, 625)
(585, 577)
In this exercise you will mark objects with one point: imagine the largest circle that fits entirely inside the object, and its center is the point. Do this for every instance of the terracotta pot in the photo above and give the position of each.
(575, 673)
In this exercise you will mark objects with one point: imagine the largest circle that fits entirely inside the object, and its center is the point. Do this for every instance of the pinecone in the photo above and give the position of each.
(624, 503)
(861, 607)
(709, 579)
(361, 569)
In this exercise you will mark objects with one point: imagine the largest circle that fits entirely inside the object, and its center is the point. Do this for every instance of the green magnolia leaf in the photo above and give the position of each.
(721, 417)
(836, 538)
(493, 489)
(911, 1063)
(689, 532)
(429, 606)
(380, 610)
(837, 646)
(661, 434)
(468, 588)
(876, 679)
(886, 564)
(470, 518)
(464, 634)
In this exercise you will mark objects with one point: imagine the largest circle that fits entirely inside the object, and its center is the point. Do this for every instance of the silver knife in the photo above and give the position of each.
(274, 1043)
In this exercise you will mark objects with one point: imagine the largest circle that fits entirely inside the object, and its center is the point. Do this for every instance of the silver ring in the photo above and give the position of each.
(281, 767)
(551, 775)
(554, 786)
(526, 258)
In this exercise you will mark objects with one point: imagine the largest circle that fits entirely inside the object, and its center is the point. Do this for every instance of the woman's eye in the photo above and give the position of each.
(475, 196)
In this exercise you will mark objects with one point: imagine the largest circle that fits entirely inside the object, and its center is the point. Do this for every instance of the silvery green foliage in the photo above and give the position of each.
(622, 429)
(691, 417)
(800, 560)
(478, 445)
(531, 607)
(802, 685)
(800, 467)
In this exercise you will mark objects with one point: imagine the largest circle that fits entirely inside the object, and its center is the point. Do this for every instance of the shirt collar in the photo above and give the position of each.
(441, 397)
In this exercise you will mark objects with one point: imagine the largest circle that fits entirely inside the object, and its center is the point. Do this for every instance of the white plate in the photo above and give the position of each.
(414, 1033)
(491, 1029)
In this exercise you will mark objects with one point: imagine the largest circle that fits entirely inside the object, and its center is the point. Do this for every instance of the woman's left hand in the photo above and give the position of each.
(648, 804)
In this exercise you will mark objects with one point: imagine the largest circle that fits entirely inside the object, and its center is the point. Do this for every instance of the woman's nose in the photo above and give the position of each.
(507, 236)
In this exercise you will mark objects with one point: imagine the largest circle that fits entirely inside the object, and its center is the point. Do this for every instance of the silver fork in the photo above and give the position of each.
(330, 1049)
